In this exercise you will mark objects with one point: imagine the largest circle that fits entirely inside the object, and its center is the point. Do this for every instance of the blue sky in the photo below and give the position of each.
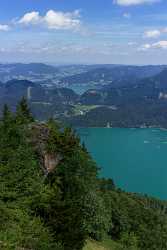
(84, 31)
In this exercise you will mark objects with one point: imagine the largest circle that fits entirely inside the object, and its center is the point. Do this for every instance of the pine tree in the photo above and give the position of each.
(6, 111)
(23, 114)
(7, 118)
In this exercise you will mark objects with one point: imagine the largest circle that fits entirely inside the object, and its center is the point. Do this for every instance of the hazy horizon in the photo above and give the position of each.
(78, 64)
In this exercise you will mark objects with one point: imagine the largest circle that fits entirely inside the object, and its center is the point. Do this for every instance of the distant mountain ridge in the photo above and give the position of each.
(142, 103)
(147, 88)
(25, 68)
(138, 103)
(44, 102)
(27, 71)
(67, 75)
(118, 75)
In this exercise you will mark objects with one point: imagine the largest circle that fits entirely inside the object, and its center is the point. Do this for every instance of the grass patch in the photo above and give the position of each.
(107, 244)
(94, 245)
(82, 109)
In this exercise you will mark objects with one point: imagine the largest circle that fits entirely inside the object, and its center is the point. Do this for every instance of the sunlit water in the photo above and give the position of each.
(136, 159)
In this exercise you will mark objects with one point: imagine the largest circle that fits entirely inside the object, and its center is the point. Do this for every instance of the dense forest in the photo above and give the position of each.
(52, 198)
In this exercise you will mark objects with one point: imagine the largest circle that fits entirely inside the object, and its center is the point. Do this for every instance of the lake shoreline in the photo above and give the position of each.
(152, 127)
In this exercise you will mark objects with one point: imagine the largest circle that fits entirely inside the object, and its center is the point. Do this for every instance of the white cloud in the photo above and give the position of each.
(30, 18)
(127, 15)
(4, 27)
(155, 33)
(160, 45)
(60, 20)
(53, 19)
(144, 47)
(152, 33)
(134, 2)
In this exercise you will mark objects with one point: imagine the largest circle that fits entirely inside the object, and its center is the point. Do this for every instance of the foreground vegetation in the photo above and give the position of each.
(61, 209)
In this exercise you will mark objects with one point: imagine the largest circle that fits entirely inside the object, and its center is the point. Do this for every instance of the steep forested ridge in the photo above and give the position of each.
(51, 196)
(139, 103)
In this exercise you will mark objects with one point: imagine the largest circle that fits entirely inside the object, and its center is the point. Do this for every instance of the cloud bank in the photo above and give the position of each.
(52, 20)
(134, 2)
(155, 33)
(152, 33)
(4, 27)
(158, 45)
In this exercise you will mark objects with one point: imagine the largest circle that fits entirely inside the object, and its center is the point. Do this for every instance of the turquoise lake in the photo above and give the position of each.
(136, 159)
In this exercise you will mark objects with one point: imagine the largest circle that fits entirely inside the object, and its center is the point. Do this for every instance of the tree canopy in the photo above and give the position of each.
(62, 209)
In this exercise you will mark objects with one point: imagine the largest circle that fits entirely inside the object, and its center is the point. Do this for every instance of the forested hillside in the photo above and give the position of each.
(120, 75)
(52, 198)
(139, 103)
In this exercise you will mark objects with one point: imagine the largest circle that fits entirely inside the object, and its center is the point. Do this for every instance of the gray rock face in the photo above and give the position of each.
(40, 135)
(51, 161)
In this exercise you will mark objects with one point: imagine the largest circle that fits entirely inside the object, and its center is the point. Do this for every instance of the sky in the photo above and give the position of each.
(84, 31)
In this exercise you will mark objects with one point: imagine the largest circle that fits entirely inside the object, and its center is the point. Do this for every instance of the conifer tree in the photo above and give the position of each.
(6, 114)
(23, 114)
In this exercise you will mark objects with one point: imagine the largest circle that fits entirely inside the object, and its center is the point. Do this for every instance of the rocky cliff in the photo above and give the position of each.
(39, 137)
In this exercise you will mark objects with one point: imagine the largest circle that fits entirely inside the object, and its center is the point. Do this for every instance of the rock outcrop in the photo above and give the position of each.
(39, 138)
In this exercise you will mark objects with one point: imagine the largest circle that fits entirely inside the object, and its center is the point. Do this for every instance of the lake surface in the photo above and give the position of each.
(136, 159)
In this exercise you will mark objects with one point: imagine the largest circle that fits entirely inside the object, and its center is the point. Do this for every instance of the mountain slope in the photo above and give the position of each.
(52, 197)
(145, 102)
(118, 75)
(141, 103)
(45, 102)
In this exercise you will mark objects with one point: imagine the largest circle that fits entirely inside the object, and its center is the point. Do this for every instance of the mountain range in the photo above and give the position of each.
(124, 102)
